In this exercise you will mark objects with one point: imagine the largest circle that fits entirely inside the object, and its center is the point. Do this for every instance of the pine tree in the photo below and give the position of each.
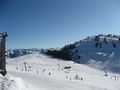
(100, 45)
(78, 57)
(119, 39)
(76, 51)
(96, 45)
(114, 45)
(97, 38)
(105, 40)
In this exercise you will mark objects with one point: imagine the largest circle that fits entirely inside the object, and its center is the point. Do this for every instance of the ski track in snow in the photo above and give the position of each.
(45, 73)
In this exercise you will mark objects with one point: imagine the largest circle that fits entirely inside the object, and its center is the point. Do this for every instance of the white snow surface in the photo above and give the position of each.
(45, 73)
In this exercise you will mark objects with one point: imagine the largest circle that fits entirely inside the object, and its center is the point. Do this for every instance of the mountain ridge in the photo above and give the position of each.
(101, 52)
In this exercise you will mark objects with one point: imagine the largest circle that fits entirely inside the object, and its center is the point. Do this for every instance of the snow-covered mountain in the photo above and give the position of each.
(101, 52)
(45, 73)
(12, 53)
(31, 70)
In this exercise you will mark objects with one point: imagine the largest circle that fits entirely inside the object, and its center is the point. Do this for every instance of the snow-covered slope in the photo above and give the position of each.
(45, 73)
(101, 52)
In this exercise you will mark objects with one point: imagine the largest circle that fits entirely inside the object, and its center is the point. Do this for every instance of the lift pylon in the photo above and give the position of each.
(2, 53)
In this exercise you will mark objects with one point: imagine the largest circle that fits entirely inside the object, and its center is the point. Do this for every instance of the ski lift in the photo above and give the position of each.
(2, 53)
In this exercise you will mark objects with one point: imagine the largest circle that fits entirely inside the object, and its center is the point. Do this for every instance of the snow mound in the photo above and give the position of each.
(10, 83)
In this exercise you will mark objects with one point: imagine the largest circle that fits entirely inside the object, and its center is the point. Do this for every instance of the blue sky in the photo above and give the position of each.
(54, 23)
